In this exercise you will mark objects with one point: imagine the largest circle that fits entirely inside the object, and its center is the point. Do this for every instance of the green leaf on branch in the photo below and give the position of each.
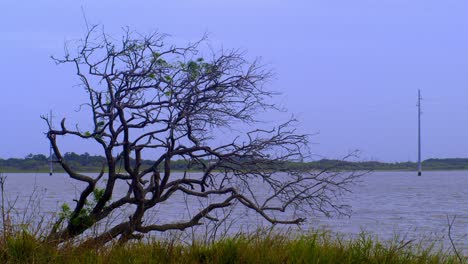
(98, 194)
(193, 69)
(162, 62)
(65, 211)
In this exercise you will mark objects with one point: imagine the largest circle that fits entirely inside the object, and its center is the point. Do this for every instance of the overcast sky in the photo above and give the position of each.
(349, 70)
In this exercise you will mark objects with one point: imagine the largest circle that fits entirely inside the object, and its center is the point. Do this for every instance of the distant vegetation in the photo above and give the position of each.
(81, 162)
(92, 163)
(429, 164)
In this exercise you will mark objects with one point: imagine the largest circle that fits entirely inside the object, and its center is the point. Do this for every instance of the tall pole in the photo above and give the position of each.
(419, 133)
(51, 167)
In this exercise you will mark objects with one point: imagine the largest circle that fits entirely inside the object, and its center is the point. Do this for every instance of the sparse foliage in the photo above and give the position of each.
(164, 103)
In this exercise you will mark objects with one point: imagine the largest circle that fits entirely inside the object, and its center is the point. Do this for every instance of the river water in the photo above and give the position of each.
(384, 204)
(400, 203)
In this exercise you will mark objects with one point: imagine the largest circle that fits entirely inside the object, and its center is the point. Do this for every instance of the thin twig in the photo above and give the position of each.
(450, 224)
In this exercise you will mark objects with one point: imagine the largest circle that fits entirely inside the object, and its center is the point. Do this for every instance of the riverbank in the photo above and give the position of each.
(46, 171)
(87, 163)
(316, 247)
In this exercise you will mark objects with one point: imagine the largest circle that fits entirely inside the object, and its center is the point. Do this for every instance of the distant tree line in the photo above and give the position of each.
(81, 162)
(88, 162)
(429, 164)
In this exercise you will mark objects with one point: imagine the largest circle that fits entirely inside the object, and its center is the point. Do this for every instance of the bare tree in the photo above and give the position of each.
(166, 103)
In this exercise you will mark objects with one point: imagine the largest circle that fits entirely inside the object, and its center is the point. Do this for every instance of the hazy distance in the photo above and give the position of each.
(349, 70)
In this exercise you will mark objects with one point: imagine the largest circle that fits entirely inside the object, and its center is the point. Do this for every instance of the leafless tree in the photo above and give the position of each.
(166, 103)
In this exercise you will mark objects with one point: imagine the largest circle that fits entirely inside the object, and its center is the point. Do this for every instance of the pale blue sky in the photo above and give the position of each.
(349, 70)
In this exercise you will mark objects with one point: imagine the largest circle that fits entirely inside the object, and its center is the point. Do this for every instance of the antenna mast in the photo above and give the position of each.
(419, 133)
(51, 167)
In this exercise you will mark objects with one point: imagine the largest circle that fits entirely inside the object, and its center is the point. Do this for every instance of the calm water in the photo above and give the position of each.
(383, 203)
(389, 203)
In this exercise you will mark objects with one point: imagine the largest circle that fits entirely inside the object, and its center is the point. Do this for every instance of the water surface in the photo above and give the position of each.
(383, 204)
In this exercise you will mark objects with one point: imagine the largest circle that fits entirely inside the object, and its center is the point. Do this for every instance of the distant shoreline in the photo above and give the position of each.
(92, 164)
(195, 171)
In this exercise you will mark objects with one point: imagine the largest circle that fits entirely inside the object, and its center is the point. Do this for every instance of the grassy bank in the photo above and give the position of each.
(312, 248)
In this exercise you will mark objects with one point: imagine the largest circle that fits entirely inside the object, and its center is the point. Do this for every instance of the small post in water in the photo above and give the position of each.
(419, 133)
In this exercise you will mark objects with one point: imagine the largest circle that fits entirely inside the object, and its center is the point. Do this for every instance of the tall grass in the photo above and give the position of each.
(316, 247)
